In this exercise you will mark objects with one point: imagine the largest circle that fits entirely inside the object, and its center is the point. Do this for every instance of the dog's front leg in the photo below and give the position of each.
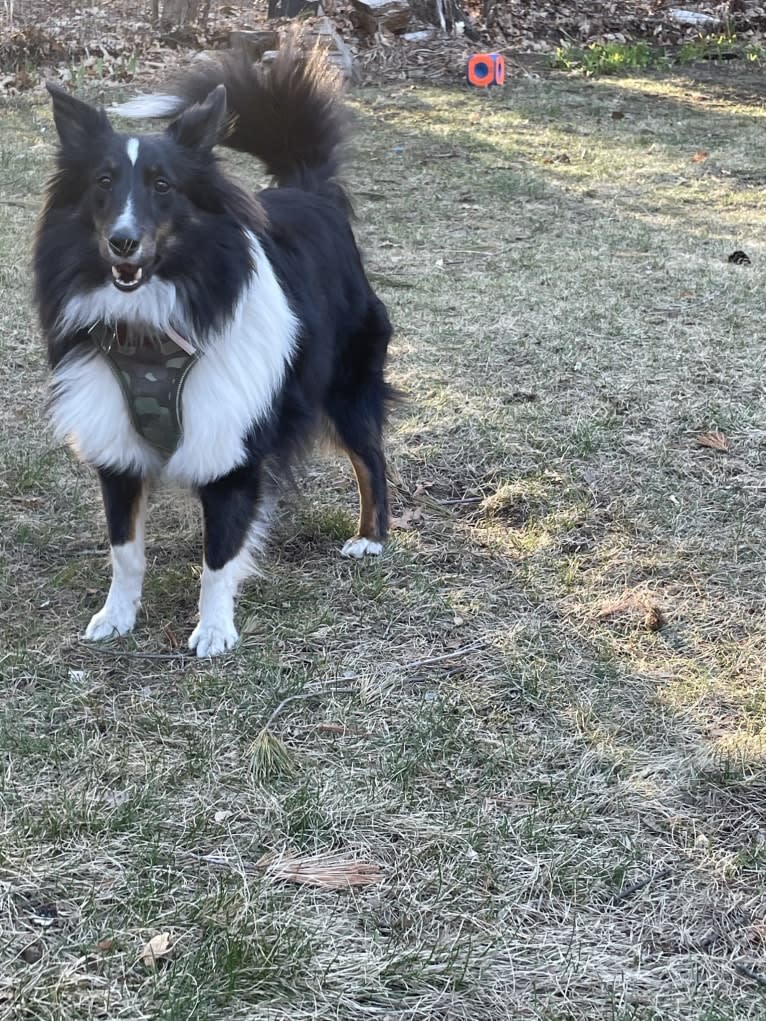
(235, 509)
(125, 507)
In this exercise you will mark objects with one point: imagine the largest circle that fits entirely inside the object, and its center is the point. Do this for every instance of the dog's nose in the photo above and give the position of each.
(123, 245)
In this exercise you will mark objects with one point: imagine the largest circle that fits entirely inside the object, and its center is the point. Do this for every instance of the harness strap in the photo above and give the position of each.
(151, 371)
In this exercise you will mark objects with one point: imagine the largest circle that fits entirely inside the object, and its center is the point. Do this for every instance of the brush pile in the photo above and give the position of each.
(117, 41)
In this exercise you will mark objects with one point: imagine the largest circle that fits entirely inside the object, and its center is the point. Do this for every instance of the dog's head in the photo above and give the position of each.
(133, 194)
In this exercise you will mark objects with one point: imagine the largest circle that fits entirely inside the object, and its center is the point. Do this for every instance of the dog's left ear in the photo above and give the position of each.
(77, 123)
(204, 124)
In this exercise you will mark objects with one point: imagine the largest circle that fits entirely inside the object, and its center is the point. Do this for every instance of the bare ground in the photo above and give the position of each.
(524, 775)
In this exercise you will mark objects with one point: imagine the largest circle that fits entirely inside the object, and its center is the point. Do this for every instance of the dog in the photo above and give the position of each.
(201, 334)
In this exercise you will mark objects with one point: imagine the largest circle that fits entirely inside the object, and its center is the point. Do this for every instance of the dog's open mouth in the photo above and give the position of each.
(127, 277)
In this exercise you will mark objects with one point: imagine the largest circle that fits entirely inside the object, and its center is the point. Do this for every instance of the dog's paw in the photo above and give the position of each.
(213, 639)
(359, 547)
(110, 622)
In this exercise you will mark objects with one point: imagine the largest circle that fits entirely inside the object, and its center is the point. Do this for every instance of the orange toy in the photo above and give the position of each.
(485, 69)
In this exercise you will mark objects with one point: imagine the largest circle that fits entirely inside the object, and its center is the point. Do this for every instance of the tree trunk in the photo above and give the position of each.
(444, 13)
(177, 13)
(291, 8)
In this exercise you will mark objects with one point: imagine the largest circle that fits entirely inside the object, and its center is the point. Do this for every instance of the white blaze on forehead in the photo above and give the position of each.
(126, 220)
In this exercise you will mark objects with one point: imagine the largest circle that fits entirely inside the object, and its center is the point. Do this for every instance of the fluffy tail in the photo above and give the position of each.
(289, 114)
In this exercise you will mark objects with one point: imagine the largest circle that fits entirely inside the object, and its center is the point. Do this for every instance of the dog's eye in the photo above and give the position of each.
(105, 181)
(161, 185)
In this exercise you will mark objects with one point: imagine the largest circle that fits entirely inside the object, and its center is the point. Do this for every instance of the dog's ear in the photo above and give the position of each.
(204, 124)
(77, 123)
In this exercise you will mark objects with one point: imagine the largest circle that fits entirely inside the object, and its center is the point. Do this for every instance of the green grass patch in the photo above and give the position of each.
(612, 57)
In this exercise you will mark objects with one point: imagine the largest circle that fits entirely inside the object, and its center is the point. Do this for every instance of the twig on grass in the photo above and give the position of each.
(103, 650)
(430, 660)
(304, 695)
(630, 891)
(474, 251)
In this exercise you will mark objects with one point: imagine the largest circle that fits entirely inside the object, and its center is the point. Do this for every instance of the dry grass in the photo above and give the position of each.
(492, 799)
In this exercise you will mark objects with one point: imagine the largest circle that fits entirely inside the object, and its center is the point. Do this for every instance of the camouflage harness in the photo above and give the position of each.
(151, 371)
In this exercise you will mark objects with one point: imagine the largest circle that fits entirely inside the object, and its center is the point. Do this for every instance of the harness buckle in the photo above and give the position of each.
(105, 338)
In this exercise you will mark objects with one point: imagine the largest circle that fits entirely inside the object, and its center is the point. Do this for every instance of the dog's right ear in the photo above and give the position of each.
(203, 125)
(78, 123)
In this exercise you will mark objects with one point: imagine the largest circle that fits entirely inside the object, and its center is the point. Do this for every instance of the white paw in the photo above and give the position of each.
(213, 639)
(110, 622)
(359, 547)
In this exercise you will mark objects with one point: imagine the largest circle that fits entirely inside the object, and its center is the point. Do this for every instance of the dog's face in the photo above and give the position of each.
(134, 193)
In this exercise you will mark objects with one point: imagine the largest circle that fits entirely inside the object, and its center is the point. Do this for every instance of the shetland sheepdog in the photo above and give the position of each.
(202, 334)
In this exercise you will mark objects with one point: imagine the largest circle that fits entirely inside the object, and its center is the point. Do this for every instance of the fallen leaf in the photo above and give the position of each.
(654, 620)
(342, 729)
(630, 605)
(157, 949)
(409, 517)
(105, 945)
(327, 871)
(222, 815)
(612, 607)
(700, 156)
(716, 441)
(32, 954)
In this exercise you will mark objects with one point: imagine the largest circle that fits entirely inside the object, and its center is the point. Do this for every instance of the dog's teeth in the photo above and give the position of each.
(126, 281)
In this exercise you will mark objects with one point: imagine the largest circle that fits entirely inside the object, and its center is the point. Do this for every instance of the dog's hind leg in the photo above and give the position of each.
(356, 407)
(358, 424)
(125, 507)
(370, 468)
(236, 512)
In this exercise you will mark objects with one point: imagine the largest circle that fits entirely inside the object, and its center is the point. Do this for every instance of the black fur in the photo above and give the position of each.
(287, 116)
(121, 492)
(229, 506)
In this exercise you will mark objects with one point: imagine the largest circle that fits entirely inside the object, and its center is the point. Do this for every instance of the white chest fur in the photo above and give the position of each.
(230, 389)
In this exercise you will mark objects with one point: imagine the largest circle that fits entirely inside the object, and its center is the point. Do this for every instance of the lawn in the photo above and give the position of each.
(515, 768)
